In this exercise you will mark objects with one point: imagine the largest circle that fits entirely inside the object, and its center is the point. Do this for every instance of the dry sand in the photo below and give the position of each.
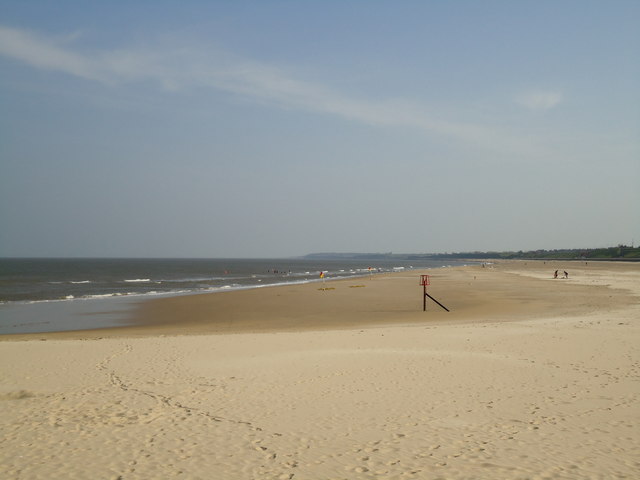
(526, 377)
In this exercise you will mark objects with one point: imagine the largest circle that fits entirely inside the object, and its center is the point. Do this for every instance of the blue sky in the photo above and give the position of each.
(278, 128)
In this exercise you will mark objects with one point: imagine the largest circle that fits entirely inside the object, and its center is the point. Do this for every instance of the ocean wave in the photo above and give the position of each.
(186, 283)
(197, 279)
(97, 296)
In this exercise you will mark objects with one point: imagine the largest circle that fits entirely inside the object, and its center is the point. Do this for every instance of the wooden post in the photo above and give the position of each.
(424, 299)
(424, 281)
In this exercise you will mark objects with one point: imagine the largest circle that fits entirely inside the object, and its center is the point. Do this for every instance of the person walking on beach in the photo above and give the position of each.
(555, 274)
(566, 274)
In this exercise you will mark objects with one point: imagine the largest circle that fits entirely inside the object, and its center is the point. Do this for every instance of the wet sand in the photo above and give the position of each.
(526, 377)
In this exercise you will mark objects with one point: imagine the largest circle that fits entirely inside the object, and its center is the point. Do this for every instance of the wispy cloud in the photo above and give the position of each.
(539, 100)
(42, 53)
(181, 68)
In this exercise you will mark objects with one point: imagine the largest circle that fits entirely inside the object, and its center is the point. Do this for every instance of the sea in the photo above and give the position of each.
(55, 294)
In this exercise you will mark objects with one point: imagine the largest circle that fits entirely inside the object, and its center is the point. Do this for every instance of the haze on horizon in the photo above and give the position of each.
(277, 129)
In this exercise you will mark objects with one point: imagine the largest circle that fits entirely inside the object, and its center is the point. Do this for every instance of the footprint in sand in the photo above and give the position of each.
(356, 469)
(18, 395)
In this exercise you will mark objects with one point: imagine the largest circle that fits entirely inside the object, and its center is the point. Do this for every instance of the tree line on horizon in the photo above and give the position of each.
(621, 252)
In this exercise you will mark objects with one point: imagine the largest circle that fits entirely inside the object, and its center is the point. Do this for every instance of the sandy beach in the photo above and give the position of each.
(527, 377)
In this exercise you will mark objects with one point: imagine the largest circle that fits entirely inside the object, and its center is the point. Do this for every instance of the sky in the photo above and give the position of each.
(280, 128)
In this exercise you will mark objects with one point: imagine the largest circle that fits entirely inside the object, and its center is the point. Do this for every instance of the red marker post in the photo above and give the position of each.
(424, 281)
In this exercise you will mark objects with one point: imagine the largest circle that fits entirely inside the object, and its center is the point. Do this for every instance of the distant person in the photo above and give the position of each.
(566, 274)
(555, 274)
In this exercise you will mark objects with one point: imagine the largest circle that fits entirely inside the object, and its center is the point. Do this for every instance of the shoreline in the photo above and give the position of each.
(72, 295)
(472, 293)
